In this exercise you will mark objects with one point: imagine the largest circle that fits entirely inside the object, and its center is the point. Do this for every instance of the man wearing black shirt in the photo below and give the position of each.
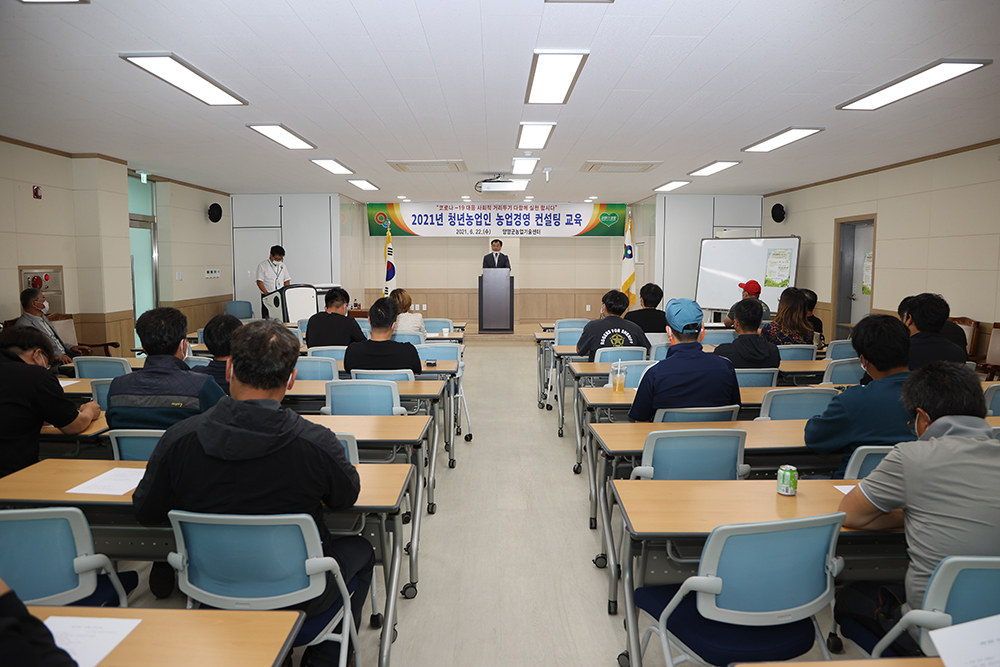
(217, 333)
(31, 396)
(611, 330)
(926, 314)
(333, 326)
(749, 349)
(381, 352)
(649, 317)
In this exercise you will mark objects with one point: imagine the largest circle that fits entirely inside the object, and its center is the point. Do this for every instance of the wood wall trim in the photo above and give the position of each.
(905, 163)
(99, 156)
(165, 179)
(100, 318)
(200, 301)
(53, 151)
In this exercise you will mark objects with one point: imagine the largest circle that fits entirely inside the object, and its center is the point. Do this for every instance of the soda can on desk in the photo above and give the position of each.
(788, 480)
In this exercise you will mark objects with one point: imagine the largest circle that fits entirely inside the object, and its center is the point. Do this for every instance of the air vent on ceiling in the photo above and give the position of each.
(613, 167)
(427, 166)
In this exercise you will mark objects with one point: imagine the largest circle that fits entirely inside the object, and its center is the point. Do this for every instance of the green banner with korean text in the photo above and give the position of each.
(496, 219)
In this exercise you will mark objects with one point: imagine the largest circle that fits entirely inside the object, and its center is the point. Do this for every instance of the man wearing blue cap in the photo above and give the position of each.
(688, 377)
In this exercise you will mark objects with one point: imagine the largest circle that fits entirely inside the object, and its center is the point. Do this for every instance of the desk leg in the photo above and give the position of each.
(451, 390)
(631, 617)
(389, 622)
(608, 466)
(435, 429)
(539, 371)
(561, 379)
(577, 425)
(410, 590)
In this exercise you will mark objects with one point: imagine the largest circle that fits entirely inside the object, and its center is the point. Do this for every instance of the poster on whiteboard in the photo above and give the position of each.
(778, 271)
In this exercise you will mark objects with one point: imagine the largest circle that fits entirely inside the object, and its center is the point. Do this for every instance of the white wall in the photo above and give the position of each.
(937, 230)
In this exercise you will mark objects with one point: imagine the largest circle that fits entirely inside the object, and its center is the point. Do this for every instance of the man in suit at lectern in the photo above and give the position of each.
(496, 259)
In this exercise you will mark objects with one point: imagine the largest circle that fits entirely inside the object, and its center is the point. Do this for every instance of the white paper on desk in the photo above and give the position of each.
(432, 335)
(115, 482)
(972, 644)
(844, 488)
(66, 383)
(89, 640)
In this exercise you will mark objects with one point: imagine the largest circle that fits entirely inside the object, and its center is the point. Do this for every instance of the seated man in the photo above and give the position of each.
(751, 290)
(748, 349)
(36, 307)
(217, 333)
(688, 377)
(381, 352)
(611, 330)
(926, 315)
(164, 391)
(24, 639)
(949, 329)
(942, 488)
(31, 396)
(650, 318)
(333, 326)
(872, 414)
(248, 455)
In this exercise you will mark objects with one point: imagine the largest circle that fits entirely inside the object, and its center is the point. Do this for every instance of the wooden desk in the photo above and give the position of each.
(804, 367)
(547, 326)
(451, 337)
(627, 439)
(461, 326)
(133, 362)
(97, 427)
(171, 637)
(113, 523)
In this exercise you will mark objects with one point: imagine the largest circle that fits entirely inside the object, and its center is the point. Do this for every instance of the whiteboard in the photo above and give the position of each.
(725, 263)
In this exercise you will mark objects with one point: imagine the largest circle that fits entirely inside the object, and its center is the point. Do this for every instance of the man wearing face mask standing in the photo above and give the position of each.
(36, 307)
(271, 273)
(31, 396)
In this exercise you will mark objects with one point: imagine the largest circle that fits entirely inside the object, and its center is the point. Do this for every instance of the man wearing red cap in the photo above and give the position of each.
(751, 290)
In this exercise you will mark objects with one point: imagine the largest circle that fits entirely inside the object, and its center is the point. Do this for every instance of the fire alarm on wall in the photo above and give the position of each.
(36, 191)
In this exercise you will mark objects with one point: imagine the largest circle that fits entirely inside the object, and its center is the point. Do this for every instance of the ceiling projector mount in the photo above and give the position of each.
(499, 184)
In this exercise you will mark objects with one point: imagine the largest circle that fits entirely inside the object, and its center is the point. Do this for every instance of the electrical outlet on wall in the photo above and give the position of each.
(588, 307)
(180, 275)
(423, 306)
(212, 273)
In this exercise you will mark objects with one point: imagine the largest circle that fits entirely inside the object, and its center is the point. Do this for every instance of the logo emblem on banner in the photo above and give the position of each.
(382, 219)
(609, 218)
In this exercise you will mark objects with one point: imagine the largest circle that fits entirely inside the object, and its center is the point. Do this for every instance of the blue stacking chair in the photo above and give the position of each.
(101, 367)
(240, 309)
(201, 336)
(634, 370)
(722, 413)
(134, 444)
(366, 326)
(437, 324)
(303, 325)
(757, 377)
(362, 397)
(571, 323)
(408, 337)
(197, 361)
(567, 336)
(992, 396)
(693, 454)
(961, 589)
(449, 351)
(317, 368)
(843, 371)
(335, 352)
(718, 336)
(865, 459)
(48, 558)
(797, 352)
(840, 349)
(99, 392)
(612, 354)
(767, 616)
(270, 561)
(795, 402)
(659, 351)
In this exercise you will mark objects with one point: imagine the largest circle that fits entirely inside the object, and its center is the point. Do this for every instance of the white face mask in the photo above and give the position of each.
(45, 308)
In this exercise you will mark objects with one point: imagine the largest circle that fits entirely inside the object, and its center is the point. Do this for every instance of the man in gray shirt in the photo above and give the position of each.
(35, 309)
(942, 488)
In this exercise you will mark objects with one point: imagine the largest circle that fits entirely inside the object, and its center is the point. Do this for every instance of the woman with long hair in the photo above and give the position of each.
(407, 320)
(790, 325)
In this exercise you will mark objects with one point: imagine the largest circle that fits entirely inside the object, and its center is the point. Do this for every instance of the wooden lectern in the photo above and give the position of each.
(496, 301)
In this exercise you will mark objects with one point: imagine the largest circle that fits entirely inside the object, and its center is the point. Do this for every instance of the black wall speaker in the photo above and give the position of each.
(215, 213)
(778, 213)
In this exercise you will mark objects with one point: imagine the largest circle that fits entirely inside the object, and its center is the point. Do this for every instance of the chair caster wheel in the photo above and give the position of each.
(409, 591)
(468, 437)
(375, 621)
(452, 463)
(426, 461)
(560, 433)
(432, 508)
(601, 561)
(593, 523)
(406, 549)
(623, 659)
(835, 643)
(548, 407)
(447, 448)
(394, 635)
(541, 405)
(612, 607)
(577, 469)
(406, 518)
(458, 431)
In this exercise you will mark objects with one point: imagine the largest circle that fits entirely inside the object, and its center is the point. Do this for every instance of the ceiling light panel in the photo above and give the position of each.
(183, 76)
(534, 136)
(782, 138)
(672, 185)
(362, 184)
(927, 77)
(714, 168)
(279, 133)
(333, 167)
(553, 75)
(524, 165)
